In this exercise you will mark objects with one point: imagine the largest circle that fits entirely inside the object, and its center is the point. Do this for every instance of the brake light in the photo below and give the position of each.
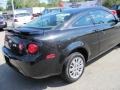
(114, 12)
(33, 48)
(15, 20)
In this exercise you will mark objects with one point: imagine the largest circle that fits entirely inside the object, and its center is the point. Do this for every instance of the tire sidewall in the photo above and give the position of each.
(68, 62)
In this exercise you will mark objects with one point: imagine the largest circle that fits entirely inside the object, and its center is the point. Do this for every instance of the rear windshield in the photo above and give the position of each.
(49, 20)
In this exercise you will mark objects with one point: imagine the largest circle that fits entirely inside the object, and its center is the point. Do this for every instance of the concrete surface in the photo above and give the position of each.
(102, 74)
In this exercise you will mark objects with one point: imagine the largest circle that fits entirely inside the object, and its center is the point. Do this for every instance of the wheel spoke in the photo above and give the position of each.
(76, 67)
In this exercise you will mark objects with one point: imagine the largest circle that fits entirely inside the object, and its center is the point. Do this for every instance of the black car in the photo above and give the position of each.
(61, 43)
(3, 23)
(116, 10)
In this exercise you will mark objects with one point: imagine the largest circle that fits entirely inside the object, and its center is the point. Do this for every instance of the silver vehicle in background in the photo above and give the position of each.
(3, 22)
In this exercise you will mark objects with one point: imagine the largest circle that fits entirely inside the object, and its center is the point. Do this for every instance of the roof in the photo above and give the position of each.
(77, 10)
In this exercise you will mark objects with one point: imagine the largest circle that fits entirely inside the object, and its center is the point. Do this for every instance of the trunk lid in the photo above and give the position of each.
(23, 36)
(27, 31)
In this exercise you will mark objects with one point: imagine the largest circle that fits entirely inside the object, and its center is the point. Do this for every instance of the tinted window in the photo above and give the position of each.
(49, 20)
(119, 7)
(114, 7)
(102, 17)
(83, 21)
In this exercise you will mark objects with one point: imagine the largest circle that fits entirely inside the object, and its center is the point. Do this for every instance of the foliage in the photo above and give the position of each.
(52, 3)
(23, 3)
(109, 3)
(31, 3)
(1, 9)
(76, 0)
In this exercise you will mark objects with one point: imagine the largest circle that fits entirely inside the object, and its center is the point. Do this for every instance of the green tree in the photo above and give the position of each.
(17, 4)
(109, 3)
(76, 0)
(1, 9)
(23, 3)
(31, 3)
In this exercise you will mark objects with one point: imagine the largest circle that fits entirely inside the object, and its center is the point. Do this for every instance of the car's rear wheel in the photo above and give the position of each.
(73, 67)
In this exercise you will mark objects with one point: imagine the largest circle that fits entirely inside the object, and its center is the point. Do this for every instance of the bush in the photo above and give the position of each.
(109, 3)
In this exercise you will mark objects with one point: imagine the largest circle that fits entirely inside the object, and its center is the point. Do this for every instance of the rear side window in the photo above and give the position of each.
(103, 17)
(83, 21)
(119, 7)
(114, 7)
(49, 20)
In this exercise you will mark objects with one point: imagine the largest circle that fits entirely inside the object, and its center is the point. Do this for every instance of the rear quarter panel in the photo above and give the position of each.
(63, 42)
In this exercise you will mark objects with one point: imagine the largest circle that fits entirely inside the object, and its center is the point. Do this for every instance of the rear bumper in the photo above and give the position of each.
(37, 70)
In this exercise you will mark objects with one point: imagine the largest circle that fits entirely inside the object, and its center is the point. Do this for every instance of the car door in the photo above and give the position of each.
(84, 25)
(105, 24)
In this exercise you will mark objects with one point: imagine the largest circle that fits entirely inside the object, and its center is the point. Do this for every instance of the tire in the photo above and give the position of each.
(73, 67)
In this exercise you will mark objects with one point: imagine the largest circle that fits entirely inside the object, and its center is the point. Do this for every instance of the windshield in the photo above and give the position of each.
(49, 20)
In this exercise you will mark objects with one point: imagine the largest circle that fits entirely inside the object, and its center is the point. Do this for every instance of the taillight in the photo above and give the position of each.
(15, 20)
(114, 12)
(33, 48)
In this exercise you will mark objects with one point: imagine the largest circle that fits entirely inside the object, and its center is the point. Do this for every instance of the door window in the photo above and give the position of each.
(103, 17)
(83, 21)
(119, 7)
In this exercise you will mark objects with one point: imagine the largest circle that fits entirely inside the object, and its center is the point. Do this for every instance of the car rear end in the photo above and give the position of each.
(34, 49)
(27, 55)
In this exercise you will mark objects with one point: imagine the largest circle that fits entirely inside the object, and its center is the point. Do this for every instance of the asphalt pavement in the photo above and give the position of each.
(103, 73)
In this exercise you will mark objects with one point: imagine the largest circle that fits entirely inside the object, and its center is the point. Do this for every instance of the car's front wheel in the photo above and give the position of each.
(73, 67)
